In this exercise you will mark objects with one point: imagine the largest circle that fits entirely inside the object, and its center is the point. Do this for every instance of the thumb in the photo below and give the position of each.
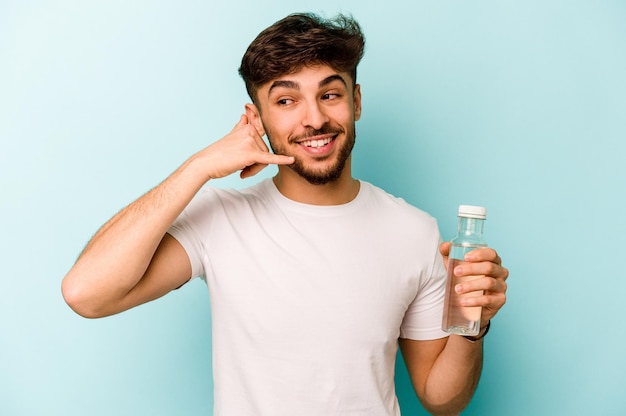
(271, 158)
(243, 120)
(444, 248)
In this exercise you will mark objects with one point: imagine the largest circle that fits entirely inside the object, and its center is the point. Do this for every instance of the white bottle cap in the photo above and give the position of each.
(471, 211)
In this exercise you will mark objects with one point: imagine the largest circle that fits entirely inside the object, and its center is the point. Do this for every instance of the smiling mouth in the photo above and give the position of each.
(318, 142)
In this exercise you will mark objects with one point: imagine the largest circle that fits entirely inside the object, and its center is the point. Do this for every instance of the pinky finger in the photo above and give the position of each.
(252, 170)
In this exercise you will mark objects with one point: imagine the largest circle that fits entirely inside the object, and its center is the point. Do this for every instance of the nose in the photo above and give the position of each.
(314, 116)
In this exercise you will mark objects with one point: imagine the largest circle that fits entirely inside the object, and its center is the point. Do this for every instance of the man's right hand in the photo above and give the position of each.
(243, 149)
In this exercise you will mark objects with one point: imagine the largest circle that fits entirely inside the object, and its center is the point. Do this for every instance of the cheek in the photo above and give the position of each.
(272, 134)
(345, 115)
(275, 138)
(276, 126)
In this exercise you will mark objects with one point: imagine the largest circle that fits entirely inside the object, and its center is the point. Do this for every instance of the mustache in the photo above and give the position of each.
(311, 132)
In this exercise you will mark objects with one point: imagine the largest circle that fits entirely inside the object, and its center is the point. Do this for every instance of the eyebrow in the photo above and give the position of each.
(284, 84)
(332, 78)
(294, 85)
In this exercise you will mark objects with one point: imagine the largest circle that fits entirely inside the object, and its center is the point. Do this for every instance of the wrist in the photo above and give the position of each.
(198, 168)
(481, 334)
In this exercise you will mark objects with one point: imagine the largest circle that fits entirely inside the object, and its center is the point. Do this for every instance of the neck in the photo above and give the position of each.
(296, 188)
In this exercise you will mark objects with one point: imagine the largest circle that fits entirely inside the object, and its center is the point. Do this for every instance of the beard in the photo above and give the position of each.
(319, 175)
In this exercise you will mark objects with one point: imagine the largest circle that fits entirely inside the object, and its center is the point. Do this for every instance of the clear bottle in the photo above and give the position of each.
(459, 319)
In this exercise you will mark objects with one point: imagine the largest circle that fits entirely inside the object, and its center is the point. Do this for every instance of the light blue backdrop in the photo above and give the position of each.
(515, 105)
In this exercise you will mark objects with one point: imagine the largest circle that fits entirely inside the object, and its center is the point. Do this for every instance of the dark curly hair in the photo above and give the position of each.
(302, 39)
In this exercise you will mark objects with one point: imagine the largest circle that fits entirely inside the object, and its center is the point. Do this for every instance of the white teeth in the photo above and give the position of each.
(317, 143)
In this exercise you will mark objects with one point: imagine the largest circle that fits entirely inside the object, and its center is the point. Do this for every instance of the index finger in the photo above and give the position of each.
(483, 254)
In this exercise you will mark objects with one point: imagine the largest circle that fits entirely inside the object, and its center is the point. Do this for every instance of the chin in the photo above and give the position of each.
(320, 177)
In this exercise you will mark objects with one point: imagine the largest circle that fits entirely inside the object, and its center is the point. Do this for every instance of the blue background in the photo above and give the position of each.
(515, 105)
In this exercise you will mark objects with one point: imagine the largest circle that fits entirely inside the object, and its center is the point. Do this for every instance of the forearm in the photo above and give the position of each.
(118, 255)
(454, 376)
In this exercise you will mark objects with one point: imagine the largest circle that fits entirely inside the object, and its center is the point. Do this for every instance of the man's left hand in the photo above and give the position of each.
(486, 264)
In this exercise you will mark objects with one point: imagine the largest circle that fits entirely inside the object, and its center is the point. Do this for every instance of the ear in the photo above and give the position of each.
(254, 117)
(357, 102)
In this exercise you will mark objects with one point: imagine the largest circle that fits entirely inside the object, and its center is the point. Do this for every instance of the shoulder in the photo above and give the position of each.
(213, 204)
(394, 207)
(232, 196)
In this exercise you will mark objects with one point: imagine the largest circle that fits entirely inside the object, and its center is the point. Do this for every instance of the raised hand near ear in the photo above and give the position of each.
(243, 149)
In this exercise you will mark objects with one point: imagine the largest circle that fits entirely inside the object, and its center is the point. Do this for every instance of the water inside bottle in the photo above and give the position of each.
(458, 319)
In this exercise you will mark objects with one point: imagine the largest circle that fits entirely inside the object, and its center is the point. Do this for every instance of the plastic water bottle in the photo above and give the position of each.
(459, 319)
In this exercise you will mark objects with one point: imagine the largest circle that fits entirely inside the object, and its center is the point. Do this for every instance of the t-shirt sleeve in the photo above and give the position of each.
(185, 231)
(422, 320)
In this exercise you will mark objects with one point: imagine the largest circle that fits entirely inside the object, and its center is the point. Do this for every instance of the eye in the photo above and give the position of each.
(284, 101)
(331, 96)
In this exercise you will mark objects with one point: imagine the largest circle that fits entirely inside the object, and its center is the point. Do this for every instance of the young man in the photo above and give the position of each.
(315, 277)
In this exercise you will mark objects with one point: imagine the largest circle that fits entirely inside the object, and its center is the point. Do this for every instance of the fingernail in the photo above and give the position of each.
(458, 270)
(469, 257)
(458, 288)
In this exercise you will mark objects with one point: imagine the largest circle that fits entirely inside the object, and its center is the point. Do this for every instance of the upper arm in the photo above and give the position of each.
(419, 358)
(169, 269)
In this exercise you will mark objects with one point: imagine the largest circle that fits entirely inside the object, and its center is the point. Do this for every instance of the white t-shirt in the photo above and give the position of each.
(308, 302)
